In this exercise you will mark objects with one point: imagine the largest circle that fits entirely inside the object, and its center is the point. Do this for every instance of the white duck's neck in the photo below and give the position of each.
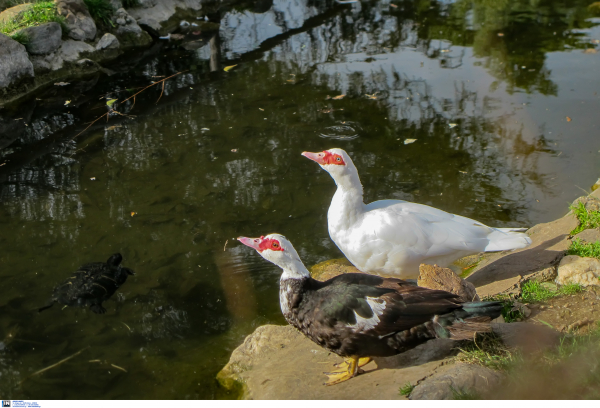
(347, 205)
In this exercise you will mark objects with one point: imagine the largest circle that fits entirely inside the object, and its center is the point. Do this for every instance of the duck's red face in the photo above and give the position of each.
(262, 243)
(325, 157)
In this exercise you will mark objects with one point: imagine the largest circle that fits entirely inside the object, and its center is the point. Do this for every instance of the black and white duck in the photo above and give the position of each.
(359, 316)
(91, 284)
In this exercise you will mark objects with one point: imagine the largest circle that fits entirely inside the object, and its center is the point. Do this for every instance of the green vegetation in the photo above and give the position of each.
(100, 10)
(39, 13)
(584, 249)
(587, 219)
(509, 313)
(488, 351)
(406, 389)
(538, 292)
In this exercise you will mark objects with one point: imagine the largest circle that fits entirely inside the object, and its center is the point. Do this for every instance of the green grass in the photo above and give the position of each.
(536, 292)
(101, 11)
(39, 13)
(587, 219)
(406, 389)
(488, 351)
(580, 248)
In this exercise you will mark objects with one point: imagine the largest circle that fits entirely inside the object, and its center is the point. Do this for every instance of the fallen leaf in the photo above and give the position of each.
(335, 98)
(393, 5)
(569, 119)
(409, 141)
(261, 109)
(61, 83)
(590, 51)
(500, 34)
(463, 172)
(452, 125)
(67, 102)
(133, 213)
(110, 102)
(234, 150)
(229, 68)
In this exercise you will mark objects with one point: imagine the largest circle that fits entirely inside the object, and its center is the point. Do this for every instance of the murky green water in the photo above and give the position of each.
(484, 87)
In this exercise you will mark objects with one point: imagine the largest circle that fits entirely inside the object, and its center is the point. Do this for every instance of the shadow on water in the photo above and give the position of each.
(482, 89)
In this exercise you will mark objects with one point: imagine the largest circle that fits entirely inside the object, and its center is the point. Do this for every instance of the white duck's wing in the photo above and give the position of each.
(422, 230)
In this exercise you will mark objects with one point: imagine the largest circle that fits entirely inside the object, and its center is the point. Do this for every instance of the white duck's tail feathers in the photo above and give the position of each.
(504, 239)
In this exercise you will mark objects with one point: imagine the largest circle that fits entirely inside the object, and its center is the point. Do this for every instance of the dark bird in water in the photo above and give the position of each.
(91, 284)
(359, 316)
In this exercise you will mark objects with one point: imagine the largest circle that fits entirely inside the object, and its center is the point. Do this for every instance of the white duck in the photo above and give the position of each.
(393, 237)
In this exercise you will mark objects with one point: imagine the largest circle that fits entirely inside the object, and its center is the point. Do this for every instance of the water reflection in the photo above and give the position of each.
(218, 156)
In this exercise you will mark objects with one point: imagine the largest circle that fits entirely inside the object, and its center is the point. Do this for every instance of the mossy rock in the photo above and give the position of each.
(333, 267)
(130, 40)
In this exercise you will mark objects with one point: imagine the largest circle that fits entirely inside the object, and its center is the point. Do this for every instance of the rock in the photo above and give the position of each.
(459, 378)
(278, 362)
(128, 31)
(334, 267)
(509, 286)
(108, 41)
(550, 240)
(591, 203)
(575, 269)
(14, 62)
(43, 39)
(545, 275)
(433, 350)
(435, 277)
(589, 235)
(527, 337)
(80, 23)
(164, 15)
(71, 51)
(13, 12)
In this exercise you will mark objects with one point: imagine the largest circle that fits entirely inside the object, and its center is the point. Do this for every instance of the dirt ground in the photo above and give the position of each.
(575, 313)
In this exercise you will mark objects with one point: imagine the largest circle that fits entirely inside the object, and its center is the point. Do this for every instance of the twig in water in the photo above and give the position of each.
(43, 370)
(118, 368)
(225, 245)
(126, 326)
(161, 92)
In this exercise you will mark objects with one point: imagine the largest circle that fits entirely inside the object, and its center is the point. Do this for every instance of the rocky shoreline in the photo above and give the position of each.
(79, 46)
(278, 362)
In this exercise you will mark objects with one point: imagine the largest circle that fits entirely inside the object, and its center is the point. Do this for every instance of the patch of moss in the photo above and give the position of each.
(36, 14)
(587, 219)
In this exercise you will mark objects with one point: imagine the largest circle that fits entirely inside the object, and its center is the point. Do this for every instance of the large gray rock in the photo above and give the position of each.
(278, 362)
(108, 41)
(43, 39)
(78, 19)
(576, 269)
(70, 51)
(125, 23)
(460, 378)
(14, 62)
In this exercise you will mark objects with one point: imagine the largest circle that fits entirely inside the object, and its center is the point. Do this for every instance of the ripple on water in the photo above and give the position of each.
(344, 131)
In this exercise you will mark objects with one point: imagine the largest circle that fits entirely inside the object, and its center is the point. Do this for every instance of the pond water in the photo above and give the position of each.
(501, 97)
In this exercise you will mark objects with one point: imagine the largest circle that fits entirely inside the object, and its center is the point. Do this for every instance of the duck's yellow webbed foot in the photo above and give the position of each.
(342, 375)
(363, 361)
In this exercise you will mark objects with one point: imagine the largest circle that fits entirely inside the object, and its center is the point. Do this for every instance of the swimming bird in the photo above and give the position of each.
(393, 237)
(359, 316)
(91, 284)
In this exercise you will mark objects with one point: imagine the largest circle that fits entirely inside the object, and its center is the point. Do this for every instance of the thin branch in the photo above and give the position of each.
(56, 364)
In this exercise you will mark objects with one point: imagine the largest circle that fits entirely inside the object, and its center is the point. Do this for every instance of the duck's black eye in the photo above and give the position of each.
(275, 245)
(338, 158)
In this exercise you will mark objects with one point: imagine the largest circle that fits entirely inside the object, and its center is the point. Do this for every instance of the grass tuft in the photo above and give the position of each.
(488, 351)
(39, 13)
(406, 389)
(587, 219)
(536, 292)
(101, 10)
(463, 395)
(581, 248)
